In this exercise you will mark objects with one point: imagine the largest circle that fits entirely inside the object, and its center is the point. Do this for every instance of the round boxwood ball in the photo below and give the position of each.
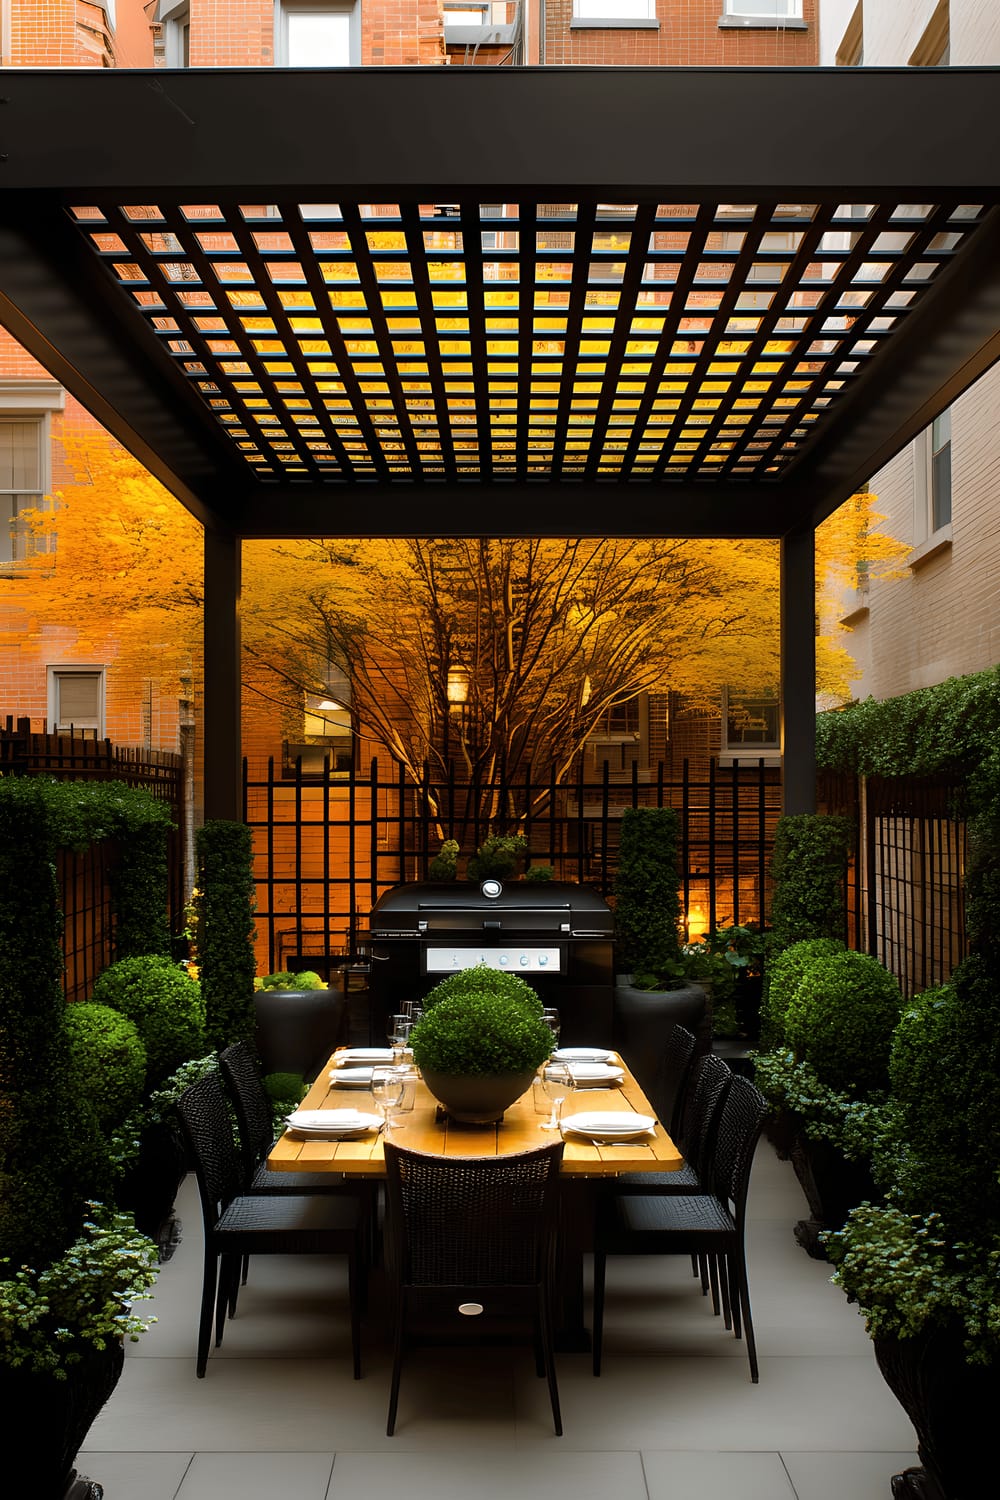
(166, 1005)
(107, 1061)
(840, 1021)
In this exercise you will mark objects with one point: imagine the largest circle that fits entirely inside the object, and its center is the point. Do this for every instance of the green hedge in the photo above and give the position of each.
(809, 865)
(227, 964)
(647, 891)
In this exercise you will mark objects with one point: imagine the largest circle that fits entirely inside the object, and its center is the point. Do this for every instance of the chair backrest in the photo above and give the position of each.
(740, 1124)
(208, 1126)
(705, 1099)
(674, 1076)
(238, 1066)
(470, 1221)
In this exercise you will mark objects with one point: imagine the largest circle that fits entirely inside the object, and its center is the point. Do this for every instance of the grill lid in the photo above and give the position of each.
(420, 908)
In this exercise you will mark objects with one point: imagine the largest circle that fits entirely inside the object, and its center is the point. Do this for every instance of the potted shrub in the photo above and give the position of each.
(62, 1332)
(832, 1076)
(299, 1022)
(744, 948)
(64, 1287)
(479, 1044)
(924, 1267)
(652, 992)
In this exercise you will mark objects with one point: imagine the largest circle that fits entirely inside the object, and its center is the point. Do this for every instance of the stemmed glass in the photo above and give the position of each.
(398, 1030)
(551, 1018)
(557, 1082)
(387, 1090)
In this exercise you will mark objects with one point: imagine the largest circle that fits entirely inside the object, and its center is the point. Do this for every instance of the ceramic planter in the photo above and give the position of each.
(832, 1184)
(477, 1099)
(48, 1421)
(296, 1030)
(644, 1020)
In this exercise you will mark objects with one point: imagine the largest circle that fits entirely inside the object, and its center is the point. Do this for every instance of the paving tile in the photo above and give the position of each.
(128, 1476)
(716, 1476)
(845, 1476)
(257, 1476)
(490, 1474)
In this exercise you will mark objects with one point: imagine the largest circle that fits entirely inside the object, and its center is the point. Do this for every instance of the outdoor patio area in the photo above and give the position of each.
(674, 1413)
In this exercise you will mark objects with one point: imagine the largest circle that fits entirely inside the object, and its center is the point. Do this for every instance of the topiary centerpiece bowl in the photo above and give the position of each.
(480, 1042)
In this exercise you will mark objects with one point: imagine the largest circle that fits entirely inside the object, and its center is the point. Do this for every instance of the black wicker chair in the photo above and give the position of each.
(238, 1224)
(470, 1247)
(710, 1225)
(701, 1111)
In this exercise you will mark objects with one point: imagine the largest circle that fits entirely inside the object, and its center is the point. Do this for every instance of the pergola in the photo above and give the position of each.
(472, 301)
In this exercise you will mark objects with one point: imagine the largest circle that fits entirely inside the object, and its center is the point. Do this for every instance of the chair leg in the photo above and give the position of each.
(229, 1275)
(741, 1304)
(246, 1273)
(207, 1310)
(730, 1304)
(397, 1370)
(600, 1272)
(544, 1336)
(353, 1296)
(712, 1266)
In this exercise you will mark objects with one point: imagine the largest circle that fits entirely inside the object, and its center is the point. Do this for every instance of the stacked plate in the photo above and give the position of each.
(351, 1078)
(332, 1124)
(595, 1075)
(353, 1056)
(584, 1055)
(609, 1125)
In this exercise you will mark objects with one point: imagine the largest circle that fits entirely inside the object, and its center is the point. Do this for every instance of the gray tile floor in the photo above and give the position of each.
(673, 1416)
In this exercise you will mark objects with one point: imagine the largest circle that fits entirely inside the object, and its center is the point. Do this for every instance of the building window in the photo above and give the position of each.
(765, 10)
(316, 34)
(175, 18)
(614, 10)
(939, 473)
(751, 724)
(76, 700)
(327, 739)
(21, 460)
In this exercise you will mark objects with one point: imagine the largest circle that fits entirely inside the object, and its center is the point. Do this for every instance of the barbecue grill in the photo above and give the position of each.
(556, 936)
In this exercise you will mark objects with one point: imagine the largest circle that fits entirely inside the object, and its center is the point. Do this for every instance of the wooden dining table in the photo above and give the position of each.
(585, 1164)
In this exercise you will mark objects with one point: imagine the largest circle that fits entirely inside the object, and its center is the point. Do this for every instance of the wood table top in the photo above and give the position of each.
(520, 1130)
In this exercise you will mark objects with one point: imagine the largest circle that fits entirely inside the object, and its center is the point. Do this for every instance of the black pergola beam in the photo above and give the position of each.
(756, 132)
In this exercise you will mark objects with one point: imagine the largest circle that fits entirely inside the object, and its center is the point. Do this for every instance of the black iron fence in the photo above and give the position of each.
(327, 845)
(906, 877)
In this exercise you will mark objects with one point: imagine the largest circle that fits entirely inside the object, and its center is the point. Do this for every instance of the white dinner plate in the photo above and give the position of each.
(589, 1075)
(584, 1054)
(600, 1125)
(332, 1123)
(351, 1078)
(354, 1055)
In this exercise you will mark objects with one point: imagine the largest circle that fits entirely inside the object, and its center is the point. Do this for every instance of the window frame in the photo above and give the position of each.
(763, 18)
(604, 18)
(285, 8)
(768, 750)
(175, 18)
(54, 675)
(31, 401)
(931, 533)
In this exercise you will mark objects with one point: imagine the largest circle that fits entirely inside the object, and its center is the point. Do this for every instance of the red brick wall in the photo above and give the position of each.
(689, 35)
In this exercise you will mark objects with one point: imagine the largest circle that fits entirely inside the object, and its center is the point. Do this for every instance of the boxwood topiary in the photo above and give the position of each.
(480, 979)
(809, 865)
(226, 959)
(480, 1034)
(166, 1005)
(785, 972)
(647, 892)
(107, 1061)
(840, 1020)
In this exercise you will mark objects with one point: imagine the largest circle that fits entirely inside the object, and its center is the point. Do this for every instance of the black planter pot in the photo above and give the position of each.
(298, 1029)
(833, 1185)
(952, 1406)
(477, 1099)
(149, 1188)
(644, 1020)
(48, 1420)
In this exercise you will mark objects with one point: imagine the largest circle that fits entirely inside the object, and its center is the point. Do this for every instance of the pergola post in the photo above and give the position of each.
(798, 671)
(223, 566)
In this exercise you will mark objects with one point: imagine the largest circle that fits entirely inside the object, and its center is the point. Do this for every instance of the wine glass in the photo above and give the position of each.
(557, 1082)
(551, 1018)
(387, 1090)
(397, 1032)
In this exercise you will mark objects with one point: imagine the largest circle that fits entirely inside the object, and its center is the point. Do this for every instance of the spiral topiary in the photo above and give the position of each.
(166, 1005)
(840, 1021)
(107, 1061)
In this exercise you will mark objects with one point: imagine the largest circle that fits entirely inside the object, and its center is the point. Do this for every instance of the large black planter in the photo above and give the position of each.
(833, 1185)
(298, 1029)
(149, 1187)
(644, 1020)
(47, 1421)
(952, 1406)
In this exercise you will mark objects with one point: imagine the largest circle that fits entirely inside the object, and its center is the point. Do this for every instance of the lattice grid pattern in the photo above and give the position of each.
(467, 341)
